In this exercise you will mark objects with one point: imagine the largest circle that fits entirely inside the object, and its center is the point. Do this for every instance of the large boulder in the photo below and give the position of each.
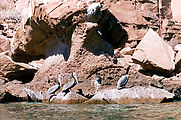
(132, 95)
(154, 54)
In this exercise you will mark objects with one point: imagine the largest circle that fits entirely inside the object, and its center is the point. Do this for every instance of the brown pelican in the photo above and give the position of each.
(54, 88)
(123, 80)
(31, 94)
(68, 86)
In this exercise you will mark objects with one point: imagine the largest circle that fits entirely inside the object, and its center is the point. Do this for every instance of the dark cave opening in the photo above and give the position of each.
(111, 30)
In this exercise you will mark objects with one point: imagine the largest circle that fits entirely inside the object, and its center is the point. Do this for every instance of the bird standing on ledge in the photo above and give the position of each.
(66, 88)
(123, 80)
(54, 88)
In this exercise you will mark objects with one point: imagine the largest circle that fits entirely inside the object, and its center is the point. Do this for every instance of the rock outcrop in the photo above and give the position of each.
(154, 54)
(57, 37)
(16, 71)
(131, 95)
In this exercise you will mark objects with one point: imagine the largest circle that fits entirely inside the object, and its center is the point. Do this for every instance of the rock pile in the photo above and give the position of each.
(58, 37)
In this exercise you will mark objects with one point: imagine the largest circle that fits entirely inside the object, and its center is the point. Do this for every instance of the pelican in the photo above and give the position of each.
(31, 94)
(97, 82)
(54, 88)
(123, 80)
(40, 95)
(68, 86)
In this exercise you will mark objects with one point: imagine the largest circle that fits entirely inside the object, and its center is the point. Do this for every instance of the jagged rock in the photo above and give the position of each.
(136, 94)
(13, 70)
(154, 54)
(50, 35)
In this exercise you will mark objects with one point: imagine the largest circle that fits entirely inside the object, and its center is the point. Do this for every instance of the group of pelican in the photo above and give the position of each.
(52, 90)
(67, 87)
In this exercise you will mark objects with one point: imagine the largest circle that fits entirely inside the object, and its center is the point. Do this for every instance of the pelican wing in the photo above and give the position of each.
(68, 86)
(122, 81)
(53, 89)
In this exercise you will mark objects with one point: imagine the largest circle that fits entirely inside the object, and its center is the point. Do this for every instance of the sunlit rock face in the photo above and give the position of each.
(175, 6)
(153, 53)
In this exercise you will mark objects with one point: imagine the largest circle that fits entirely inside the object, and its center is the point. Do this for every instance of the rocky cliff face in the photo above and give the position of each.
(58, 37)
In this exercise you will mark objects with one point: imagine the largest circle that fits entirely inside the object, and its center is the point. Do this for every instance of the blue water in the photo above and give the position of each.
(40, 111)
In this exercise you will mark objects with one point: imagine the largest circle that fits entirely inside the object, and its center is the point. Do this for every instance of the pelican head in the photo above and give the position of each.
(98, 79)
(75, 77)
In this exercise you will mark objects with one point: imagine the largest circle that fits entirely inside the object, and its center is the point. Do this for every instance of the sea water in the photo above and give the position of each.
(40, 111)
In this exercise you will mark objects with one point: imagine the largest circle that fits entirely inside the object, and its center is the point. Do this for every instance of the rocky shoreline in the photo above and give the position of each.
(90, 38)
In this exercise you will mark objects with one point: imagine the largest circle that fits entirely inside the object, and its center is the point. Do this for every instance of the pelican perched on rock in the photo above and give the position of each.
(31, 94)
(54, 88)
(97, 82)
(68, 86)
(123, 80)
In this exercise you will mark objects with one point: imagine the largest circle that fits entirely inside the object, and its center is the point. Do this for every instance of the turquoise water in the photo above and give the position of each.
(40, 111)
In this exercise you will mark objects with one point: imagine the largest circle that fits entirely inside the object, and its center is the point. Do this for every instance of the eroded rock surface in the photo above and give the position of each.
(56, 37)
(13, 70)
